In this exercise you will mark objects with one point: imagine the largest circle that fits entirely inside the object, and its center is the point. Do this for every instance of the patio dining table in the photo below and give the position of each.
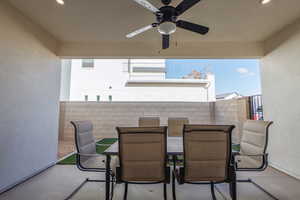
(174, 148)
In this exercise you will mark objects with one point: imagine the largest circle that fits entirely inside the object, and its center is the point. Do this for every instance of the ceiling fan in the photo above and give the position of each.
(166, 20)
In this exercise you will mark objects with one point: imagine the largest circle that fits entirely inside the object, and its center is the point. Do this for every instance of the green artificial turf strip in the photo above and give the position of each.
(107, 141)
(71, 160)
(236, 147)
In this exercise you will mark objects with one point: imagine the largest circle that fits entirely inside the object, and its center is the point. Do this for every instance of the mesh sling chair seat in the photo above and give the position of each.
(207, 156)
(252, 155)
(175, 126)
(175, 129)
(87, 158)
(143, 157)
(149, 122)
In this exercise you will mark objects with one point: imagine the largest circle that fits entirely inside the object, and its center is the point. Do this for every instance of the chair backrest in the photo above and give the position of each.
(149, 122)
(175, 126)
(84, 138)
(143, 153)
(255, 139)
(207, 152)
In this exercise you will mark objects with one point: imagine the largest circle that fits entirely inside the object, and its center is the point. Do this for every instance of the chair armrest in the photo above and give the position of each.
(254, 155)
(82, 165)
(261, 168)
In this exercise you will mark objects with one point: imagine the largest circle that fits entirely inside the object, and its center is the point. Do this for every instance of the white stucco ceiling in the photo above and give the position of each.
(90, 21)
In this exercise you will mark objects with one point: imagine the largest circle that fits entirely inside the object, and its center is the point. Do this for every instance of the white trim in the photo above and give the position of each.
(135, 102)
(176, 81)
(168, 83)
(26, 178)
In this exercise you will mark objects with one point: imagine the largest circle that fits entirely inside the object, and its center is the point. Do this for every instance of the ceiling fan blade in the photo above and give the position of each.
(146, 4)
(192, 27)
(139, 31)
(165, 41)
(185, 5)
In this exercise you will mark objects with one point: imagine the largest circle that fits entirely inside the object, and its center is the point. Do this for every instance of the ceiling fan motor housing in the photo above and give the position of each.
(166, 14)
(166, 2)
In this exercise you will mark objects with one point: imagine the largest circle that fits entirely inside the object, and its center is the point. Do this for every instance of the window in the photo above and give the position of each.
(87, 63)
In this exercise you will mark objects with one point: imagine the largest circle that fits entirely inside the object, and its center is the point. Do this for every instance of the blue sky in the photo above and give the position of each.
(232, 75)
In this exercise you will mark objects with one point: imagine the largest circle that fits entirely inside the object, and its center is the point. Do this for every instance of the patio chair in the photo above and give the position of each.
(207, 156)
(149, 122)
(143, 157)
(175, 126)
(252, 155)
(87, 158)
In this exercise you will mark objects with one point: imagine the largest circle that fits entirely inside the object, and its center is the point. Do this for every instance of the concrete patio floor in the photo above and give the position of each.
(59, 181)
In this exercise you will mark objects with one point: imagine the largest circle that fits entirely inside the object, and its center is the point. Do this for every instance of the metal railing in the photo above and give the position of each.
(256, 107)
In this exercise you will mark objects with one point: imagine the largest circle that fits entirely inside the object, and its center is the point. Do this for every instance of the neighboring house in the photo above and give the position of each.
(226, 96)
(131, 80)
(193, 75)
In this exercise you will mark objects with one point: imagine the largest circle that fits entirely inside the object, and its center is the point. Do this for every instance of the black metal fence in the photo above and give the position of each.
(256, 107)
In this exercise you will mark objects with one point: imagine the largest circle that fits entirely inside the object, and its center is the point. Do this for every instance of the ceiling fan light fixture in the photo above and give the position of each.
(265, 1)
(167, 28)
(61, 2)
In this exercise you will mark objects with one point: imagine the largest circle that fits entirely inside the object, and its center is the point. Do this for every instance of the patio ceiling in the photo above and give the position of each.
(90, 24)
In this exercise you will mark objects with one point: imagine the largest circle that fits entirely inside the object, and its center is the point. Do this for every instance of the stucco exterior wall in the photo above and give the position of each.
(29, 109)
(280, 73)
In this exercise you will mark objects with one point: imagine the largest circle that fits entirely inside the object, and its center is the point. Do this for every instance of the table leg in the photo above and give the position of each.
(173, 176)
(174, 161)
(107, 178)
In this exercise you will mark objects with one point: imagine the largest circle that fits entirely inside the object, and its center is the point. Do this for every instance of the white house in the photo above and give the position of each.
(131, 80)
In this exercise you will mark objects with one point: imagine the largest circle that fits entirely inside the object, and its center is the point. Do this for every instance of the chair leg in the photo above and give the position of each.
(81, 185)
(77, 189)
(258, 186)
(230, 189)
(173, 186)
(125, 192)
(165, 191)
(212, 188)
(233, 190)
(112, 187)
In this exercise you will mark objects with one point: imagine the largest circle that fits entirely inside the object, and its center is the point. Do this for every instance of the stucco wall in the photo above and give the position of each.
(280, 72)
(29, 85)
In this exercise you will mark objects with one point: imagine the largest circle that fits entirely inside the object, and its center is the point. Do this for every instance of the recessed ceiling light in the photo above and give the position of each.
(61, 2)
(265, 1)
